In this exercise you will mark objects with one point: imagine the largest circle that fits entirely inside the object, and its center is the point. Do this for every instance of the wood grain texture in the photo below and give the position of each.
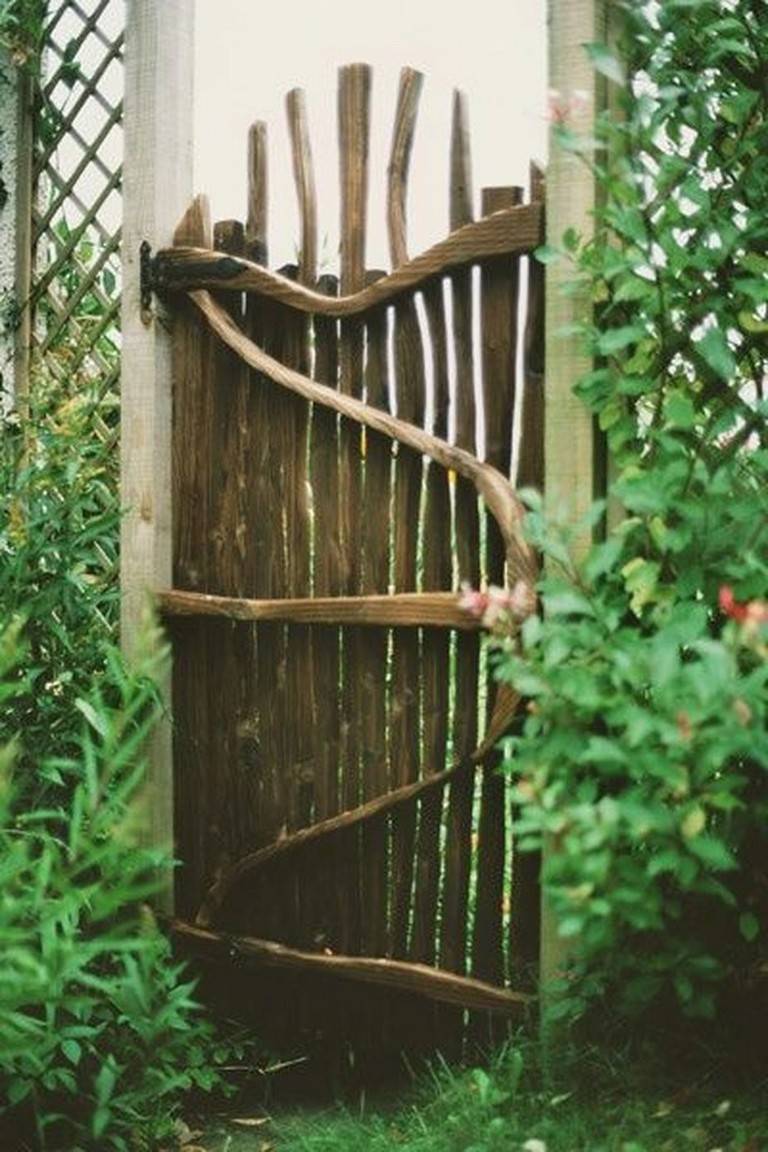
(437, 574)
(354, 98)
(377, 500)
(530, 467)
(341, 823)
(525, 892)
(378, 610)
(494, 488)
(304, 178)
(156, 191)
(518, 230)
(190, 495)
(409, 385)
(570, 442)
(440, 986)
(453, 935)
(499, 287)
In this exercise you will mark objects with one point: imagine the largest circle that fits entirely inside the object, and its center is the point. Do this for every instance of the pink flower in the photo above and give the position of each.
(753, 612)
(498, 608)
(562, 109)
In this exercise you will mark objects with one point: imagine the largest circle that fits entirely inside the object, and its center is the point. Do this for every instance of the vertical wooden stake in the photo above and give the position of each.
(571, 443)
(157, 189)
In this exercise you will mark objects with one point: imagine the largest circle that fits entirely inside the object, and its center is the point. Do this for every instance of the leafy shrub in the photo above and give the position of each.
(100, 1035)
(645, 748)
(99, 1032)
(59, 527)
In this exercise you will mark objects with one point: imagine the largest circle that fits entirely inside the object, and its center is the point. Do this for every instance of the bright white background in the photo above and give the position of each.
(251, 52)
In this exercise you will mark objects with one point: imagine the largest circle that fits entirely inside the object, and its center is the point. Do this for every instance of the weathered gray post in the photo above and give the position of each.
(157, 188)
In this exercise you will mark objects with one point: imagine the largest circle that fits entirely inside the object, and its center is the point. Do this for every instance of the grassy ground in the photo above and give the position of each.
(598, 1107)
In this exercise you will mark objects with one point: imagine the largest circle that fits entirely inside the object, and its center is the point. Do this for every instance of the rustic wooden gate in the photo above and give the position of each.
(338, 818)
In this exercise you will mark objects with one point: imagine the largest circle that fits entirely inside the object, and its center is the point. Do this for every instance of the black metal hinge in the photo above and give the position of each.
(147, 277)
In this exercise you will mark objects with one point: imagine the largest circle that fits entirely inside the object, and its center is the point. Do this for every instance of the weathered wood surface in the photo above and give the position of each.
(157, 190)
(405, 717)
(494, 488)
(190, 462)
(499, 285)
(340, 501)
(512, 231)
(444, 987)
(383, 610)
(453, 936)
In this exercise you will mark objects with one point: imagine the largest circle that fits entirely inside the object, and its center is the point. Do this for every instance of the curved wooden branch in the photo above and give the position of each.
(444, 987)
(495, 489)
(408, 95)
(506, 706)
(504, 233)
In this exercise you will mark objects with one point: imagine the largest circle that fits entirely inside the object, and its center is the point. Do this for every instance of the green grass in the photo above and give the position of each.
(599, 1107)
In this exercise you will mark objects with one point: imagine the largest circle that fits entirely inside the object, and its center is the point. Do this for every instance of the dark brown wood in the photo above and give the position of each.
(326, 523)
(453, 934)
(437, 574)
(404, 977)
(354, 95)
(342, 822)
(499, 283)
(192, 400)
(377, 610)
(327, 879)
(525, 899)
(495, 489)
(405, 715)
(530, 469)
(377, 499)
(232, 817)
(518, 231)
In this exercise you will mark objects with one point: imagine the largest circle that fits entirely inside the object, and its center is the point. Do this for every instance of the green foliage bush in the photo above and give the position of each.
(59, 527)
(644, 752)
(100, 1035)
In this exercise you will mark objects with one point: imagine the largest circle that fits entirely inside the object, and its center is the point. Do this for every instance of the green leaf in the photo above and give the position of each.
(713, 346)
(679, 410)
(98, 722)
(615, 340)
(72, 1051)
(548, 254)
(606, 63)
(749, 926)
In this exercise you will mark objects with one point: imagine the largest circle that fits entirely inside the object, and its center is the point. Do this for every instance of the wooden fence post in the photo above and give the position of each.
(573, 448)
(157, 189)
(16, 132)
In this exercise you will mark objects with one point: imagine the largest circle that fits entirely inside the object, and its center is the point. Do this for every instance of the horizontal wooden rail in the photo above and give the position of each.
(513, 230)
(444, 987)
(399, 610)
(353, 817)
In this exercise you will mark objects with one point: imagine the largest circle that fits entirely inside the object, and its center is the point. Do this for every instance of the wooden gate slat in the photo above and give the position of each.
(525, 899)
(453, 941)
(409, 382)
(437, 574)
(192, 398)
(498, 320)
(354, 94)
(326, 581)
(377, 498)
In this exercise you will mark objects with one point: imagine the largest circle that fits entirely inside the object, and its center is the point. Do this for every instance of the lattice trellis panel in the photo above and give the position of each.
(77, 213)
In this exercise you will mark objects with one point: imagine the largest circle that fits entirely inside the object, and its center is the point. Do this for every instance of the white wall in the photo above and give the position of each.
(251, 52)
